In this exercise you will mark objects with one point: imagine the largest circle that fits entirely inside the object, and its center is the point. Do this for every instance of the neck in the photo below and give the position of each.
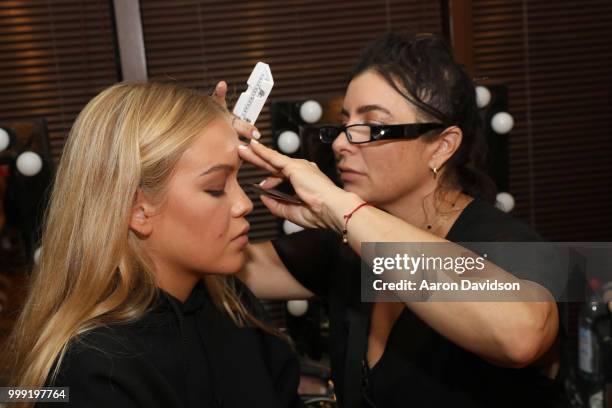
(178, 284)
(429, 208)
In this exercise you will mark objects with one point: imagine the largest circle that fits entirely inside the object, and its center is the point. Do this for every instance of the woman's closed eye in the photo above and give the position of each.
(215, 193)
(215, 189)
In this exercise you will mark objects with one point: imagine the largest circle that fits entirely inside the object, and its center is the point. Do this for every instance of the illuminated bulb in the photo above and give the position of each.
(297, 308)
(483, 96)
(311, 111)
(504, 201)
(502, 122)
(5, 139)
(288, 142)
(29, 163)
(289, 227)
(37, 255)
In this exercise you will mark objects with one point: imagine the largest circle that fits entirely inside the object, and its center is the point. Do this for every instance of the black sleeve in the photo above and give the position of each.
(519, 249)
(308, 255)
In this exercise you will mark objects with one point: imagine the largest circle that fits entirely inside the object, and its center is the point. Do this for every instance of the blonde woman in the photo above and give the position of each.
(134, 303)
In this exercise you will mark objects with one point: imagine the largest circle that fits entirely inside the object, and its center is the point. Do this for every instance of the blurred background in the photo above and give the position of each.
(547, 63)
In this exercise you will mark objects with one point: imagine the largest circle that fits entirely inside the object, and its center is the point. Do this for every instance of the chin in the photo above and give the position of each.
(362, 191)
(233, 264)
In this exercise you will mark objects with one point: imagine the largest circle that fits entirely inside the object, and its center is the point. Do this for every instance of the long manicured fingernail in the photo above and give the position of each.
(243, 147)
(262, 182)
(256, 134)
(254, 141)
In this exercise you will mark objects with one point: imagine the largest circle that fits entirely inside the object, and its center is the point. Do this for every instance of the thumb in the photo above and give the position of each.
(295, 213)
(220, 92)
(276, 207)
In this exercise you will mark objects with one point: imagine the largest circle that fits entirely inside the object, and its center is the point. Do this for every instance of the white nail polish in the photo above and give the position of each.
(254, 141)
(262, 182)
(256, 134)
(243, 147)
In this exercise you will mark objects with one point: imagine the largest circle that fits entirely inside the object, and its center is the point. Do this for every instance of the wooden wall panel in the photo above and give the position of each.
(556, 58)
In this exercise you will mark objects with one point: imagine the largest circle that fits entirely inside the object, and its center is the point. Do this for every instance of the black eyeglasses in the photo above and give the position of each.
(365, 132)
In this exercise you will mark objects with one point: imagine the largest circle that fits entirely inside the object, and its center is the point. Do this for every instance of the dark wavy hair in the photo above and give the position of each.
(422, 69)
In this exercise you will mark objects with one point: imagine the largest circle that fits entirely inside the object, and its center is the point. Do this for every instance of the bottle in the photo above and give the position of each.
(593, 344)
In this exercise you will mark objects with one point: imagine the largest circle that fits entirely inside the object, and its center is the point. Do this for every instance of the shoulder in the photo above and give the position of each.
(94, 352)
(104, 368)
(98, 367)
(483, 222)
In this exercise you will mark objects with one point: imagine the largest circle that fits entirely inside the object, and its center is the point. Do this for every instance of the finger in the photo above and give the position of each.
(277, 208)
(292, 212)
(244, 128)
(220, 92)
(271, 182)
(271, 156)
(247, 154)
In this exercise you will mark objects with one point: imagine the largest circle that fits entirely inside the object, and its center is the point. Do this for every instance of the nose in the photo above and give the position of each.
(242, 205)
(341, 144)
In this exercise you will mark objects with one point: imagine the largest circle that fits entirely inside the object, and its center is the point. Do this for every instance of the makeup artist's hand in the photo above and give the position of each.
(324, 202)
(243, 127)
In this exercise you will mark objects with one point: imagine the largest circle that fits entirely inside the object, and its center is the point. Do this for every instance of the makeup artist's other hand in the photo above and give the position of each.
(324, 202)
(243, 127)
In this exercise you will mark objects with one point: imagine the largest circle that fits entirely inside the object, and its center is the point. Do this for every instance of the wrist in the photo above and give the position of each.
(340, 205)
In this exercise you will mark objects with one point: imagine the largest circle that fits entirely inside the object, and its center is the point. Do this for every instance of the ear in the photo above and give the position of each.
(140, 219)
(445, 146)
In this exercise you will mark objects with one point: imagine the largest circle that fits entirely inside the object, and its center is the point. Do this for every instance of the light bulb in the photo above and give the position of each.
(502, 122)
(5, 139)
(29, 163)
(37, 255)
(289, 227)
(297, 307)
(483, 96)
(311, 111)
(504, 201)
(288, 142)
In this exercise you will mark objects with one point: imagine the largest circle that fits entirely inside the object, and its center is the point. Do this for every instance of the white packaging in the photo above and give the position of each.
(253, 99)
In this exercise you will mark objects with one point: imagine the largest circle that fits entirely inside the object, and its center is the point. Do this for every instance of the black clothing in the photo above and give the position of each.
(419, 367)
(181, 355)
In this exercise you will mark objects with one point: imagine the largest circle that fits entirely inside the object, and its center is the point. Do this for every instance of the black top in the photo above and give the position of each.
(419, 368)
(181, 355)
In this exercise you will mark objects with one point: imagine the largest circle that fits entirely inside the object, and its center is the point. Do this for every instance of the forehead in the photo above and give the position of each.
(370, 88)
(216, 144)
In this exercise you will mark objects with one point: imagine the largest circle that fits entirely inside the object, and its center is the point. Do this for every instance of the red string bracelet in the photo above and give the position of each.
(347, 217)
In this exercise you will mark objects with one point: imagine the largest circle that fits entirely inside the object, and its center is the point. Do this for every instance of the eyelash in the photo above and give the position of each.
(216, 193)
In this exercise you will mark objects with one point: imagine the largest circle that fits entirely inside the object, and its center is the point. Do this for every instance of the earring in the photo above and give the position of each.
(435, 172)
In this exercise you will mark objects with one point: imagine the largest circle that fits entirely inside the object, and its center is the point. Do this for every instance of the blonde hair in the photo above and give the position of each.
(92, 270)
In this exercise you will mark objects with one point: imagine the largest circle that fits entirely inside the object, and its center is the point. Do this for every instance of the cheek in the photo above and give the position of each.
(394, 163)
(201, 216)
(193, 233)
(394, 169)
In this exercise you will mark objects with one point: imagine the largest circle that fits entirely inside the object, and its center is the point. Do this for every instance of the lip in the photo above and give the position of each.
(241, 240)
(347, 174)
(344, 169)
(243, 234)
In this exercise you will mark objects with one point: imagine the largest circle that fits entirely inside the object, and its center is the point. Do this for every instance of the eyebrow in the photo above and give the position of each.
(365, 109)
(217, 167)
